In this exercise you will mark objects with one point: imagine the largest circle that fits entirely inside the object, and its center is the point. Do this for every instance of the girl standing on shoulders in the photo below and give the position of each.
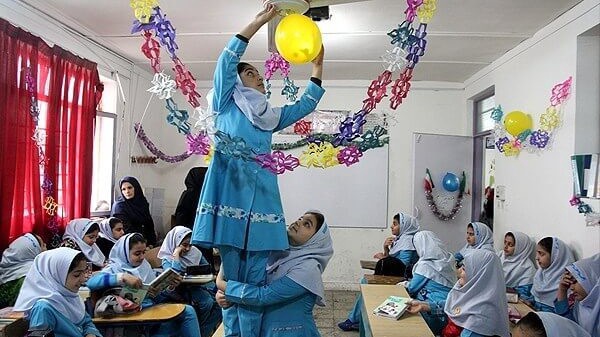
(517, 265)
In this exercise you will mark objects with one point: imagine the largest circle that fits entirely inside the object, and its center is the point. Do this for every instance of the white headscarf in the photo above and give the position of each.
(546, 281)
(587, 312)
(484, 238)
(558, 326)
(118, 261)
(435, 261)
(480, 305)
(75, 231)
(409, 225)
(18, 257)
(304, 264)
(46, 280)
(519, 268)
(253, 104)
(105, 230)
(173, 240)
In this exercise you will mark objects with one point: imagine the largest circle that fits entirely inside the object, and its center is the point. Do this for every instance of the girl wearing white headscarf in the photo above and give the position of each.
(583, 279)
(552, 256)
(546, 324)
(81, 234)
(177, 253)
(127, 266)
(479, 236)
(111, 229)
(49, 295)
(294, 282)
(477, 302)
(433, 277)
(517, 264)
(16, 261)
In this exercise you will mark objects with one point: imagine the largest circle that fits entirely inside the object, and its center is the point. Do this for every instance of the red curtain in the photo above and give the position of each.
(68, 87)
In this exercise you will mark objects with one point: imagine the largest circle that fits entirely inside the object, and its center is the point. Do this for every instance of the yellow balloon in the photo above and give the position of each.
(298, 39)
(516, 122)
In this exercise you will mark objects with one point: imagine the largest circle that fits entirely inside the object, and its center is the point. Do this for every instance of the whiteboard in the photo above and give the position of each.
(441, 154)
(355, 196)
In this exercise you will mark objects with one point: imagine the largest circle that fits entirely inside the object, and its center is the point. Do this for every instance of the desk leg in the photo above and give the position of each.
(364, 328)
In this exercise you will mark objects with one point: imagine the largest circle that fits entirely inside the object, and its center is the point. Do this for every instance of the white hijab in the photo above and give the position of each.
(587, 312)
(435, 261)
(519, 268)
(546, 281)
(46, 280)
(18, 258)
(118, 261)
(558, 326)
(304, 264)
(173, 240)
(484, 238)
(105, 230)
(480, 305)
(253, 104)
(409, 225)
(75, 231)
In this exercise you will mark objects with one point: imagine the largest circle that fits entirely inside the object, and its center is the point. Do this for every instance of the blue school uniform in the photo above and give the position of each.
(408, 257)
(425, 289)
(44, 316)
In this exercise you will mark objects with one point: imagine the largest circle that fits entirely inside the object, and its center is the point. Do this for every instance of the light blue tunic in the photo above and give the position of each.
(408, 257)
(288, 307)
(240, 205)
(425, 289)
(44, 316)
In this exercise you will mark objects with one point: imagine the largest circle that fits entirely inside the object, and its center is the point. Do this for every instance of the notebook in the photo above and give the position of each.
(392, 307)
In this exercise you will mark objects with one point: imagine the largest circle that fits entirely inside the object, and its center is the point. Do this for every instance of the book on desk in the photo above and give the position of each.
(392, 307)
(160, 283)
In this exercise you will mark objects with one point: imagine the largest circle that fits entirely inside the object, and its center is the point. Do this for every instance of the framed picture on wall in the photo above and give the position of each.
(489, 142)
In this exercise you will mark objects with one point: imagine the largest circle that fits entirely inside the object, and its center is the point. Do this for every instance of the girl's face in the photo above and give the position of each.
(77, 277)
(251, 78)
(577, 289)
(118, 231)
(395, 227)
(542, 257)
(509, 245)
(470, 236)
(185, 245)
(302, 230)
(462, 276)
(127, 190)
(137, 254)
(91, 238)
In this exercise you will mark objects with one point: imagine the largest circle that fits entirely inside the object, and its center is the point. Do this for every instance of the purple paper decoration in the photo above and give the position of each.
(349, 155)
(539, 138)
(278, 162)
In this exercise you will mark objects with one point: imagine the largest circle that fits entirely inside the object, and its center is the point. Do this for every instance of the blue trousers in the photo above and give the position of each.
(355, 314)
(247, 267)
(185, 324)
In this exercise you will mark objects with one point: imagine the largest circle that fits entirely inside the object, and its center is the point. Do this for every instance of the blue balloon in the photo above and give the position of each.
(450, 182)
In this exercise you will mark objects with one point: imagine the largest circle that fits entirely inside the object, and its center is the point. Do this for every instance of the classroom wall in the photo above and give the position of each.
(539, 186)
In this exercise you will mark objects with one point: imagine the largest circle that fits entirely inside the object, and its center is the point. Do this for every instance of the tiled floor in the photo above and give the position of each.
(339, 303)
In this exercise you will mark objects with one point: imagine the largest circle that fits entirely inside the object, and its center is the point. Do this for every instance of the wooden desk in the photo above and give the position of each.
(522, 308)
(220, 331)
(408, 325)
(364, 264)
(382, 279)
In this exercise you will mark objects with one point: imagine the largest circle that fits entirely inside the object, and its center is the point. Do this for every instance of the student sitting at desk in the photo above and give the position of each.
(294, 282)
(476, 306)
(49, 295)
(176, 252)
(546, 324)
(433, 277)
(127, 266)
(583, 279)
(479, 236)
(552, 256)
(398, 256)
(16, 261)
(517, 265)
(81, 234)
(111, 229)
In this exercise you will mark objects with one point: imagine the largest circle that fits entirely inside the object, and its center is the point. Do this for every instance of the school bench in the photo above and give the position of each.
(365, 264)
(409, 325)
(383, 279)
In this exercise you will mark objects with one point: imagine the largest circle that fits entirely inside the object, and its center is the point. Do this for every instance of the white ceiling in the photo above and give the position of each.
(463, 37)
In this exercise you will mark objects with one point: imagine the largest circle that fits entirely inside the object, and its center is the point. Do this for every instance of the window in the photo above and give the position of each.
(483, 108)
(104, 150)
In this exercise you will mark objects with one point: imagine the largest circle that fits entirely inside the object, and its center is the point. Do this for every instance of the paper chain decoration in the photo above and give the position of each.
(533, 140)
(429, 186)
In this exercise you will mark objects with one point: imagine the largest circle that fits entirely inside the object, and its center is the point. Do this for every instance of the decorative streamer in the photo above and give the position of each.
(428, 187)
(141, 135)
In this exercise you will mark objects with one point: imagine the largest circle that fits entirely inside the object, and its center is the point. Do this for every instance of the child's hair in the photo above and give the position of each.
(532, 325)
(93, 228)
(136, 238)
(546, 243)
(470, 225)
(243, 66)
(511, 235)
(188, 235)
(112, 222)
(320, 219)
(397, 217)
(38, 238)
(76, 260)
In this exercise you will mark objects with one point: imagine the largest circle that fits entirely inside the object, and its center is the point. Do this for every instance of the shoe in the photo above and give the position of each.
(348, 325)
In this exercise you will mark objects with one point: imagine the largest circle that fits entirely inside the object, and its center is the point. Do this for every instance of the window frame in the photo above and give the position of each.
(112, 173)
(485, 94)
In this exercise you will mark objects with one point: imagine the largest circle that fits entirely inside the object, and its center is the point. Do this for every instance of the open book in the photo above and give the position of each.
(160, 283)
(392, 307)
